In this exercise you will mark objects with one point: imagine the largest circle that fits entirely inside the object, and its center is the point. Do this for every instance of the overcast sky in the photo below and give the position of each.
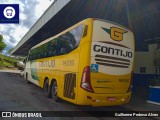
(30, 11)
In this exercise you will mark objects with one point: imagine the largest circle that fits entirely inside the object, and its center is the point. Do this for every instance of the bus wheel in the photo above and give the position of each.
(54, 91)
(46, 89)
(29, 82)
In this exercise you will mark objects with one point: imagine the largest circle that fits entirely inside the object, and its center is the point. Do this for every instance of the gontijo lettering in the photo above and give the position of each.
(47, 63)
(112, 51)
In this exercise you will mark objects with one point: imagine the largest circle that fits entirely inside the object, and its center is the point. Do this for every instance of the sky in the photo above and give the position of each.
(29, 12)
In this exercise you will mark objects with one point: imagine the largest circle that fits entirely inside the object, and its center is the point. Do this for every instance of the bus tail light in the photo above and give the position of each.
(130, 85)
(86, 81)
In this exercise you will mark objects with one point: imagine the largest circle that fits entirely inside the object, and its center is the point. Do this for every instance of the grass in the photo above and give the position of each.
(6, 61)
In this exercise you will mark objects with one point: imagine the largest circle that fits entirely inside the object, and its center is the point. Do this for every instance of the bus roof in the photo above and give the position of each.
(51, 38)
(112, 23)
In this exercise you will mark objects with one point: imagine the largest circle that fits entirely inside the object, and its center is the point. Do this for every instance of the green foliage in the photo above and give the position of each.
(6, 61)
(10, 50)
(155, 81)
(5, 64)
(2, 44)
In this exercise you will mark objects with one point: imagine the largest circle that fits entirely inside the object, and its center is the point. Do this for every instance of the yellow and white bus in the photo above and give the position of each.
(90, 63)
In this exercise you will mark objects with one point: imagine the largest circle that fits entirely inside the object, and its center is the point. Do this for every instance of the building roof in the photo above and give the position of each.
(141, 16)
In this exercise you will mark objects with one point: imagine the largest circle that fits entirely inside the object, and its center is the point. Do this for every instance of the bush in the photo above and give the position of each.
(155, 81)
(6, 61)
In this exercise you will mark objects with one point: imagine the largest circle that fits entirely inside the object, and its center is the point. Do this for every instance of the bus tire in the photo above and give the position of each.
(54, 91)
(29, 82)
(46, 89)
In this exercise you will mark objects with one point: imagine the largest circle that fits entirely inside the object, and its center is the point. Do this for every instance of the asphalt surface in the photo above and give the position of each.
(17, 95)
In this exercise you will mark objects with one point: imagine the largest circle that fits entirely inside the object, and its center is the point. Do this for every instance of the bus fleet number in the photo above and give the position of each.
(68, 63)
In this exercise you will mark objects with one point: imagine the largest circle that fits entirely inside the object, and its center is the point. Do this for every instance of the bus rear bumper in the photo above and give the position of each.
(109, 99)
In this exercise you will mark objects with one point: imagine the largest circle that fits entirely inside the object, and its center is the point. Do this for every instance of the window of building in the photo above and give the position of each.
(142, 69)
(158, 70)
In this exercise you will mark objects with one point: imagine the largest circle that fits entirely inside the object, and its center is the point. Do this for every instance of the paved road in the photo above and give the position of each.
(17, 95)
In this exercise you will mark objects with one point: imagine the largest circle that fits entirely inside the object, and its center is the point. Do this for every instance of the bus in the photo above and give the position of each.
(90, 63)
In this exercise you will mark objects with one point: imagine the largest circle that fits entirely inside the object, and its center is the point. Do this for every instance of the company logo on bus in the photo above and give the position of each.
(113, 55)
(115, 33)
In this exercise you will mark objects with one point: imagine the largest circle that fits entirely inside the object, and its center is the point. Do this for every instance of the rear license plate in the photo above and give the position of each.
(111, 99)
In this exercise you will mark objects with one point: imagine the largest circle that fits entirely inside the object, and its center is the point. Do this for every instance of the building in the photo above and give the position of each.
(146, 68)
(148, 62)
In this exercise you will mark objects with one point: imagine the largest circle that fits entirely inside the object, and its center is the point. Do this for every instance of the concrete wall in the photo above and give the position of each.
(141, 81)
(147, 60)
(158, 57)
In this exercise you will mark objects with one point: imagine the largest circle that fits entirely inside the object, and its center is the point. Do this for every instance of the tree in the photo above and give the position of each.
(2, 44)
(10, 50)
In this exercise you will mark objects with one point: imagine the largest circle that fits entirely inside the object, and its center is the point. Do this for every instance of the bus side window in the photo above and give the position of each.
(52, 48)
(76, 36)
(58, 46)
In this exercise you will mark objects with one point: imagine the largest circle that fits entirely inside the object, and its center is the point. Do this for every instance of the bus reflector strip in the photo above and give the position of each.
(89, 97)
(95, 100)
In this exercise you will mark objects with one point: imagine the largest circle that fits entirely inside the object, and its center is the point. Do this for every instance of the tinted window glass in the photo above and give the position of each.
(70, 40)
(58, 46)
(142, 69)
